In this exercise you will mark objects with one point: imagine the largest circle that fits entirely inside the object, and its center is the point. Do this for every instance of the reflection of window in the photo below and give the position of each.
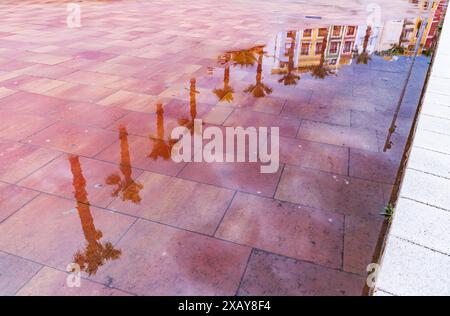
(334, 47)
(307, 33)
(319, 47)
(323, 32)
(336, 30)
(351, 31)
(348, 46)
(407, 34)
(305, 49)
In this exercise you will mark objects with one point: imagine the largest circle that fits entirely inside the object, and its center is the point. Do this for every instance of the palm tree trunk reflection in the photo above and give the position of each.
(127, 187)
(96, 253)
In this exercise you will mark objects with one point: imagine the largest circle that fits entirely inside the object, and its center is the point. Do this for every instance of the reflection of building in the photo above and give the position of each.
(342, 42)
(331, 45)
(404, 33)
(411, 28)
(335, 45)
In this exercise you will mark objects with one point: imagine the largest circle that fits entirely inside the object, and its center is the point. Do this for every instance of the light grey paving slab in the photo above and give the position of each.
(439, 85)
(426, 188)
(416, 257)
(436, 110)
(432, 141)
(430, 162)
(434, 98)
(434, 124)
(422, 224)
(409, 269)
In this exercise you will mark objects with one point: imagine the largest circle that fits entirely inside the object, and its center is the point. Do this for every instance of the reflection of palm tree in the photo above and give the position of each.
(243, 58)
(96, 253)
(364, 57)
(128, 187)
(321, 71)
(161, 147)
(186, 122)
(259, 90)
(225, 94)
(290, 78)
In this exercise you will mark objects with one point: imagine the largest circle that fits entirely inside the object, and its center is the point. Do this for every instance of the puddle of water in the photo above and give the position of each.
(299, 61)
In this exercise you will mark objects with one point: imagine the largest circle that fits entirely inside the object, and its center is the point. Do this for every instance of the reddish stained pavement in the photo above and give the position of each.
(80, 123)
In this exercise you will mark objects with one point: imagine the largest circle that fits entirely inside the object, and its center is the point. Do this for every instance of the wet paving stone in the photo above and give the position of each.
(284, 228)
(270, 274)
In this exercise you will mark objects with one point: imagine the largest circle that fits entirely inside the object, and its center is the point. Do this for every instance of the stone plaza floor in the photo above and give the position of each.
(86, 116)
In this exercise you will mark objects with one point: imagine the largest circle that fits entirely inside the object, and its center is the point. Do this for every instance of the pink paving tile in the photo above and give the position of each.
(31, 83)
(284, 228)
(115, 69)
(339, 135)
(168, 261)
(318, 113)
(90, 78)
(144, 153)
(4, 92)
(16, 82)
(272, 275)
(58, 177)
(373, 166)
(74, 138)
(138, 86)
(53, 72)
(131, 60)
(88, 114)
(325, 191)
(242, 176)
(40, 85)
(360, 241)
(146, 125)
(18, 160)
(51, 282)
(4, 76)
(12, 198)
(31, 103)
(67, 232)
(130, 101)
(177, 202)
(46, 59)
(82, 93)
(15, 273)
(95, 55)
(77, 63)
(288, 126)
(314, 155)
(13, 65)
(46, 49)
(17, 126)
